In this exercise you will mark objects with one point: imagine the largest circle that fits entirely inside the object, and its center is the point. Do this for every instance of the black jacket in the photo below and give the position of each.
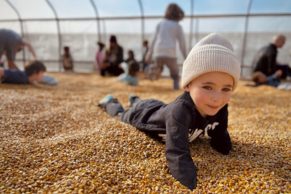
(116, 55)
(265, 60)
(181, 122)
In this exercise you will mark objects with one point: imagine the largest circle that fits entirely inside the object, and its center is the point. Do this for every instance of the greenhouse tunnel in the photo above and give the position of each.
(49, 25)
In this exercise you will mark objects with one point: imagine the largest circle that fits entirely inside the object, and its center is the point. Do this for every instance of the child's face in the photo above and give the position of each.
(37, 76)
(210, 92)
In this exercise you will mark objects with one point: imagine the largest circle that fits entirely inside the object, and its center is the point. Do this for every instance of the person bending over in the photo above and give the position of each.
(11, 43)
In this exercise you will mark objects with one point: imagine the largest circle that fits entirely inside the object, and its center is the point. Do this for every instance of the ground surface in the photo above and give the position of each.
(56, 139)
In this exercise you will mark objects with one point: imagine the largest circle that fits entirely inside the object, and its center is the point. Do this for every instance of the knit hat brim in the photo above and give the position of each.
(204, 58)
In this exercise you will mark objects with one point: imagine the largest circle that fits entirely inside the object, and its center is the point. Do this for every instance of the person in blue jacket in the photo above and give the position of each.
(210, 75)
(32, 74)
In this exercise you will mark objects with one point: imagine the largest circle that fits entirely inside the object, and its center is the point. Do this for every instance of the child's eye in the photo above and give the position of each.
(207, 87)
(227, 89)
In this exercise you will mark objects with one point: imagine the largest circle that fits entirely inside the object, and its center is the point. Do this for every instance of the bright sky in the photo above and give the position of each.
(115, 8)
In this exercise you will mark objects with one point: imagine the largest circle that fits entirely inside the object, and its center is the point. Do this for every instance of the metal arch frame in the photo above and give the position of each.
(142, 22)
(245, 33)
(150, 17)
(104, 29)
(97, 19)
(58, 29)
(191, 23)
(21, 27)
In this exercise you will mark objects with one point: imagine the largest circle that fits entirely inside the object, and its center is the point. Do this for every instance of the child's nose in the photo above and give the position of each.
(216, 96)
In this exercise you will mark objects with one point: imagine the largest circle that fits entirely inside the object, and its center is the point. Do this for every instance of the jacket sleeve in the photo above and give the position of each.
(178, 155)
(220, 139)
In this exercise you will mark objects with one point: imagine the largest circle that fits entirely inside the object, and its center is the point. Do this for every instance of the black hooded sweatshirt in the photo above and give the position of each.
(265, 60)
(181, 123)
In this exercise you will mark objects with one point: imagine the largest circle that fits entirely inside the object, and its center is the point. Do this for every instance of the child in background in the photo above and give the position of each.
(100, 56)
(130, 56)
(2, 62)
(145, 49)
(163, 47)
(131, 72)
(32, 74)
(210, 75)
(67, 59)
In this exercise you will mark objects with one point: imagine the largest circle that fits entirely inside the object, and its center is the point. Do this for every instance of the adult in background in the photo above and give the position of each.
(114, 57)
(11, 43)
(267, 70)
(163, 47)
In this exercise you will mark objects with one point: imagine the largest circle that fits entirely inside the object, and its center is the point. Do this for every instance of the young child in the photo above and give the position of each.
(210, 74)
(67, 58)
(130, 76)
(32, 74)
(163, 47)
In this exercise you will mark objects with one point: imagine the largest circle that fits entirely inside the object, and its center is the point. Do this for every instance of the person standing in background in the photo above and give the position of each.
(163, 47)
(11, 43)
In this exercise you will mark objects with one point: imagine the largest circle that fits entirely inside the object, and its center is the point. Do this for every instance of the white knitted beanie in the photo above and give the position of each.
(212, 53)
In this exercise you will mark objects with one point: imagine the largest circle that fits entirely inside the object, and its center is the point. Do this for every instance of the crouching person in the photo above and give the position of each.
(32, 74)
(210, 74)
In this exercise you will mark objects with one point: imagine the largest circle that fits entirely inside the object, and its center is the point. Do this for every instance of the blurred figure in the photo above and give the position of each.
(100, 56)
(114, 57)
(130, 56)
(68, 62)
(33, 74)
(130, 76)
(145, 51)
(2, 61)
(163, 47)
(267, 70)
(11, 43)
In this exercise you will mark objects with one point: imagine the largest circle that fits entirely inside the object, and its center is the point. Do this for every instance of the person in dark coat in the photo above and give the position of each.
(210, 74)
(266, 69)
(113, 59)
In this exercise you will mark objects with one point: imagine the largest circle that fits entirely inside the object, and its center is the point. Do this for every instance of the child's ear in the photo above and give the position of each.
(187, 89)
